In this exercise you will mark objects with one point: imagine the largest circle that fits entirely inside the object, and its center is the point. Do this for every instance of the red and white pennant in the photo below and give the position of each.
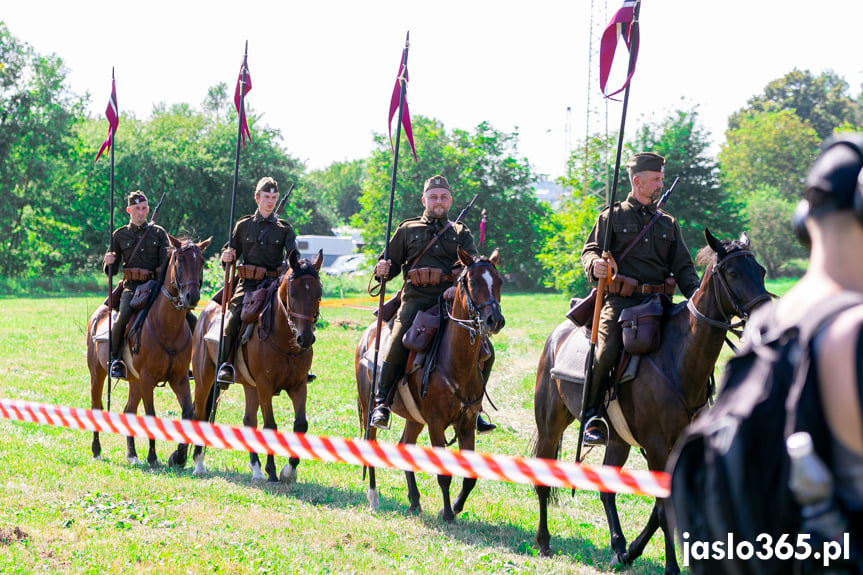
(436, 460)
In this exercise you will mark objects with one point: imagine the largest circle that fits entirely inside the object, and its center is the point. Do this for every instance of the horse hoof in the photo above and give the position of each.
(256, 472)
(133, 461)
(415, 510)
(176, 461)
(619, 559)
(199, 466)
(288, 474)
(448, 517)
(97, 457)
(373, 499)
(545, 551)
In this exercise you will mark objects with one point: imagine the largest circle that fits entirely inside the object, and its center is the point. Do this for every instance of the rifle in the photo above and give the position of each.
(276, 213)
(156, 209)
(606, 254)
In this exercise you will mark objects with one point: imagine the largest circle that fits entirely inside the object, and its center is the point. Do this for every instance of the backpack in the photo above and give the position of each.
(729, 473)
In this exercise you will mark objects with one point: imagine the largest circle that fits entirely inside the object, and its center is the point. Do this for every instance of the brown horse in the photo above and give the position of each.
(164, 349)
(277, 358)
(669, 389)
(455, 387)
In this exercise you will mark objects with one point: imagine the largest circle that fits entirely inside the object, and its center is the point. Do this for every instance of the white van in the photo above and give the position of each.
(333, 246)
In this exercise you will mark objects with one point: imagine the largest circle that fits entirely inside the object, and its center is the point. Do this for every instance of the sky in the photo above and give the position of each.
(323, 71)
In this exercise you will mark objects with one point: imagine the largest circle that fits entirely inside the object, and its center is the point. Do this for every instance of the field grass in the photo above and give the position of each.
(62, 512)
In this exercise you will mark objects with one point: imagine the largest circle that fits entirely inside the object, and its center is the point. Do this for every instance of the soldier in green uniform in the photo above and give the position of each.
(408, 241)
(660, 255)
(262, 240)
(143, 249)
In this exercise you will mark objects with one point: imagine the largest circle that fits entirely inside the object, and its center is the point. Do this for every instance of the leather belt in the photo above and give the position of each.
(650, 288)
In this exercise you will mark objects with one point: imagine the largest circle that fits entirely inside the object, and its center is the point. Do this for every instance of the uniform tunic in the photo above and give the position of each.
(268, 252)
(659, 254)
(410, 238)
(151, 255)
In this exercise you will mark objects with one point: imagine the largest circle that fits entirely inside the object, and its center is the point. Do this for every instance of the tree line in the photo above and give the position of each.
(54, 207)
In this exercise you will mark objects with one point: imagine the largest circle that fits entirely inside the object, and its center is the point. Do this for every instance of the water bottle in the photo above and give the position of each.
(811, 483)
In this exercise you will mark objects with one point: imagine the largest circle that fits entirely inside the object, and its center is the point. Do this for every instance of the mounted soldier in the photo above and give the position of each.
(143, 249)
(262, 241)
(424, 250)
(660, 261)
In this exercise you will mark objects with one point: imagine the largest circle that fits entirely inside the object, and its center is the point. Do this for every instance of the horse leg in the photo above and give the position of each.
(616, 453)
(184, 398)
(97, 383)
(466, 441)
(301, 425)
(658, 519)
(552, 419)
(148, 385)
(265, 398)
(372, 494)
(250, 419)
(132, 408)
(437, 439)
(410, 434)
(203, 386)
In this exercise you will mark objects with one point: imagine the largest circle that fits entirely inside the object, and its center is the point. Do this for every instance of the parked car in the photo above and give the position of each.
(351, 264)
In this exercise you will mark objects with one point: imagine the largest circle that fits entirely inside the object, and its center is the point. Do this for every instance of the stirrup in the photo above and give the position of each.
(117, 369)
(225, 376)
(598, 435)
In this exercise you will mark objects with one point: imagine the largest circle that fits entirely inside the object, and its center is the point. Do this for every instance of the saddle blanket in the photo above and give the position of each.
(212, 338)
(570, 361)
(101, 336)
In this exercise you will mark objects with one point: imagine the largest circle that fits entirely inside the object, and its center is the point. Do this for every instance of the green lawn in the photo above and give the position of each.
(62, 512)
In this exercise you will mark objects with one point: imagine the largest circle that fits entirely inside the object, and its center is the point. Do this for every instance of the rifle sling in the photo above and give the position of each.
(640, 235)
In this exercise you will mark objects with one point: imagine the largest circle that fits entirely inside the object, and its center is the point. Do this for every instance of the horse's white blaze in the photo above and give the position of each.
(489, 280)
(374, 501)
(199, 465)
(256, 472)
(288, 474)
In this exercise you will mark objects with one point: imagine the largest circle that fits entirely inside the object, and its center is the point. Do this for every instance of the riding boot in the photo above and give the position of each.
(483, 426)
(390, 374)
(117, 369)
(226, 372)
(595, 433)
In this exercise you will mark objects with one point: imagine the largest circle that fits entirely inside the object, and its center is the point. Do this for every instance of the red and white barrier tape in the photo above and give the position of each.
(436, 460)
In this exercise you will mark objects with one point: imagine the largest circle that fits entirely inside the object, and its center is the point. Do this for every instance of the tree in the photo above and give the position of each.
(338, 188)
(822, 101)
(484, 162)
(561, 254)
(768, 149)
(768, 219)
(37, 112)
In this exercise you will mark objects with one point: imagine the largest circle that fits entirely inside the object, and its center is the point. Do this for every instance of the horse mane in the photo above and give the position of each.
(305, 268)
(705, 254)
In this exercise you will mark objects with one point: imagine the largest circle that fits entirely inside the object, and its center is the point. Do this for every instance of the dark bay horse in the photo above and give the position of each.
(163, 352)
(276, 358)
(455, 387)
(670, 387)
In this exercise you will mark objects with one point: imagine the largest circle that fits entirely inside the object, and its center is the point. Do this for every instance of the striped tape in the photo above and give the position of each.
(436, 460)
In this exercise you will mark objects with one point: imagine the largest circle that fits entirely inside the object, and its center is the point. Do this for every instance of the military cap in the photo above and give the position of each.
(645, 162)
(434, 182)
(135, 198)
(834, 179)
(267, 184)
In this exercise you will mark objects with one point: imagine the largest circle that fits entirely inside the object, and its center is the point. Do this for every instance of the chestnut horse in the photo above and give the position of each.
(455, 387)
(278, 357)
(671, 386)
(164, 349)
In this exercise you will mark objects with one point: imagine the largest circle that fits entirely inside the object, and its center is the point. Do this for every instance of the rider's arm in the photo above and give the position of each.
(592, 249)
(840, 377)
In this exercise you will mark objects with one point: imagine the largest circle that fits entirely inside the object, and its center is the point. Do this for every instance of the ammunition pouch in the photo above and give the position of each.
(622, 285)
(137, 274)
(642, 326)
(250, 272)
(422, 277)
(142, 294)
(670, 284)
(420, 334)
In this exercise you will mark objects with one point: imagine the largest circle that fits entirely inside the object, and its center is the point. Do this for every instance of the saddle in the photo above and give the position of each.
(259, 306)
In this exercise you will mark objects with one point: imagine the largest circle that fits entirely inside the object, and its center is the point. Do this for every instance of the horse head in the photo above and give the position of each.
(478, 290)
(185, 273)
(302, 296)
(732, 275)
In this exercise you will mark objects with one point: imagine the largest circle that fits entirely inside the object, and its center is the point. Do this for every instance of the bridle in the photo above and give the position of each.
(174, 262)
(720, 284)
(291, 315)
(474, 325)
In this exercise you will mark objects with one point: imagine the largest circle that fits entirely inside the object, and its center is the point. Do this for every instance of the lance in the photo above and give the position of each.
(381, 296)
(229, 269)
(111, 248)
(606, 240)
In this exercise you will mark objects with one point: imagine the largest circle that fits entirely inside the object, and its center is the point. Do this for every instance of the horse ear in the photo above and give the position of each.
(714, 243)
(205, 244)
(744, 239)
(464, 257)
(174, 241)
(293, 259)
(319, 259)
(494, 258)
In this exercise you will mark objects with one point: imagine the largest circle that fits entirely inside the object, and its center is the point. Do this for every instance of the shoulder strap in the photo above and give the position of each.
(640, 235)
(435, 238)
(140, 241)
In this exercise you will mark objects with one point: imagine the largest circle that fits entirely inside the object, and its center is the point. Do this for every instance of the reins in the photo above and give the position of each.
(472, 324)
